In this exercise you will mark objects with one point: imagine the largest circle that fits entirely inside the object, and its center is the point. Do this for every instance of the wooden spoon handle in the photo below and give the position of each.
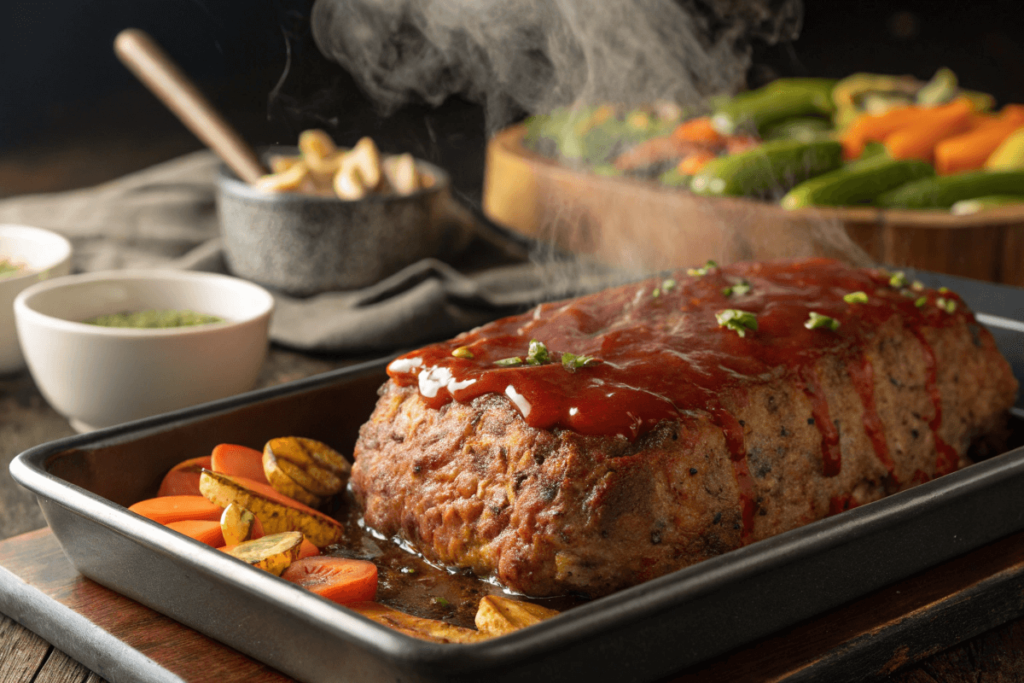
(157, 72)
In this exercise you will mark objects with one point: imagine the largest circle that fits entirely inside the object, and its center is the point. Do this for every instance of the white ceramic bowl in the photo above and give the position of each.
(102, 376)
(45, 255)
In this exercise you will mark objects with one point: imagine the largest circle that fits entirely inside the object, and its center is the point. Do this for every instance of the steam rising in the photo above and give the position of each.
(529, 56)
(520, 57)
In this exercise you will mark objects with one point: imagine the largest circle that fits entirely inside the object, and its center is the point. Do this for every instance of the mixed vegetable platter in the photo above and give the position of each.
(868, 139)
(269, 509)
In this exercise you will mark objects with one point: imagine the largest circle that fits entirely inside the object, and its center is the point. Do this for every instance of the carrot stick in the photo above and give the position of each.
(183, 479)
(734, 144)
(239, 461)
(918, 139)
(167, 509)
(335, 578)
(969, 150)
(692, 164)
(875, 127)
(699, 130)
(654, 151)
(202, 530)
(1012, 112)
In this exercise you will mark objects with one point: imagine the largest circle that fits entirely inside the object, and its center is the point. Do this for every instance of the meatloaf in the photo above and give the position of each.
(593, 444)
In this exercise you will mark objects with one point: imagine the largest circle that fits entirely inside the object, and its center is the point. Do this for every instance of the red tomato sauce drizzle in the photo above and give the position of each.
(862, 375)
(947, 458)
(664, 356)
(733, 433)
(831, 455)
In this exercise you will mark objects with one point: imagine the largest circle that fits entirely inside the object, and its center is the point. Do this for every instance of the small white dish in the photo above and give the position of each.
(101, 376)
(44, 255)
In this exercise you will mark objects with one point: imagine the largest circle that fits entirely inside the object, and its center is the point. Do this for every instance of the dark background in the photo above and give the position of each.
(64, 95)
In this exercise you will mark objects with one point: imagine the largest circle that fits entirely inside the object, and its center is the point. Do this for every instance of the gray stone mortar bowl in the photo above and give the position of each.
(303, 245)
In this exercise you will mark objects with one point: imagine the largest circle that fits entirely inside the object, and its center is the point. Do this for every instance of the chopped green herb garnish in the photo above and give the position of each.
(665, 288)
(917, 286)
(462, 352)
(898, 279)
(943, 290)
(921, 301)
(509, 362)
(408, 570)
(538, 353)
(699, 272)
(817, 321)
(738, 321)
(154, 318)
(572, 362)
(948, 305)
(739, 289)
(907, 293)
(441, 601)
(855, 298)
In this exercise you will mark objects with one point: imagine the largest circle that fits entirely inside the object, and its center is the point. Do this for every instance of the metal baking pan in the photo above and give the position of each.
(640, 634)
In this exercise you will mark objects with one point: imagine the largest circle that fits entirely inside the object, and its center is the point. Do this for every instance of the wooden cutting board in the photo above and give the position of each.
(124, 641)
(110, 634)
(641, 224)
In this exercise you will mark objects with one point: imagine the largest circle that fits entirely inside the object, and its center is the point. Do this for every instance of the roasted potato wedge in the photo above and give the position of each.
(285, 484)
(417, 627)
(237, 524)
(313, 465)
(498, 615)
(275, 511)
(273, 553)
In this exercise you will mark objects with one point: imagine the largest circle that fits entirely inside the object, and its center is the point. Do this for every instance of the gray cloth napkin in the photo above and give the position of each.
(165, 217)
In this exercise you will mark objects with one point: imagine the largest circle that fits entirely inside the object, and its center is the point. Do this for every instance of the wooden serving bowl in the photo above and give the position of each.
(640, 224)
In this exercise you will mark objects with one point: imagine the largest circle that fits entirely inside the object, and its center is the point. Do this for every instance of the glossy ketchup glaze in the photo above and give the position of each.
(660, 353)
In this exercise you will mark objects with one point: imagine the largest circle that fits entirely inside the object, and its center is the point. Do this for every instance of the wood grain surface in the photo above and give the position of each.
(884, 632)
(37, 559)
(921, 630)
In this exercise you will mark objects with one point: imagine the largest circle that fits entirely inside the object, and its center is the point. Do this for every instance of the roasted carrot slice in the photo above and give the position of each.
(238, 461)
(167, 509)
(307, 549)
(183, 479)
(338, 579)
(203, 531)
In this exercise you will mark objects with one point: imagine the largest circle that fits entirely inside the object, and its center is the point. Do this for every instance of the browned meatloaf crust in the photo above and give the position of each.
(548, 510)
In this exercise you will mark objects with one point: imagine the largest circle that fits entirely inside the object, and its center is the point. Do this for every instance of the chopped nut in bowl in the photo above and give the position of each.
(328, 218)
